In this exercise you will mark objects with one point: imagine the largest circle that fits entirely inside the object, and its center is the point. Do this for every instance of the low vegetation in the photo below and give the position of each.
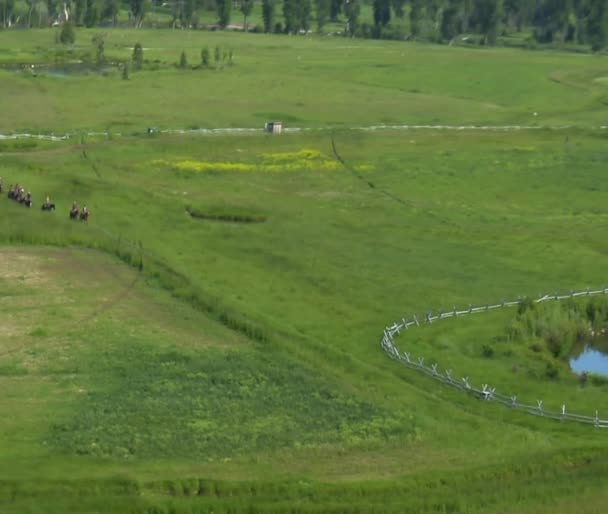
(154, 360)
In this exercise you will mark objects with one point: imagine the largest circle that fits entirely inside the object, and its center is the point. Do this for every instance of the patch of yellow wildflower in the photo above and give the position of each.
(303, 160)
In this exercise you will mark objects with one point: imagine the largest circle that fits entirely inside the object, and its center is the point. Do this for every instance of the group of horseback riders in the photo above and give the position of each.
(75, 214)
(17, 193)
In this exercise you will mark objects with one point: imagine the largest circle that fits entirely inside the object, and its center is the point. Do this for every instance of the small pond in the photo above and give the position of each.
(591, 358)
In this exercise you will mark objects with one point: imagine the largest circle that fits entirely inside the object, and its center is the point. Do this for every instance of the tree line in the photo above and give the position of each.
(560, 21)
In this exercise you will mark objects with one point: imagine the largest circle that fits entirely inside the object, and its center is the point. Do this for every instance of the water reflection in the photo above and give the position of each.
(591, 359)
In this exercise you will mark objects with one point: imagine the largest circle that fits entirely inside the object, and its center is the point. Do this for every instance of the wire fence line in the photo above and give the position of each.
(486, 393)
(51, 136)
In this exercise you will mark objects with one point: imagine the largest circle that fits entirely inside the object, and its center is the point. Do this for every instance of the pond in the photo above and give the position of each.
(590, 358)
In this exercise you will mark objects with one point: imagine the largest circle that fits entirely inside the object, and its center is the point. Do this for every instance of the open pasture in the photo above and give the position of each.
(303, 81)
(209, 340)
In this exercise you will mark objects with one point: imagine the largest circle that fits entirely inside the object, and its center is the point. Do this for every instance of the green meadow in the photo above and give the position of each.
(210, 340)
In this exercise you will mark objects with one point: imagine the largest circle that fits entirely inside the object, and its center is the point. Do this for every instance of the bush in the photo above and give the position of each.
(487, 351)
(138, 57)
(67, 36)
(183, 60)
(552, 371)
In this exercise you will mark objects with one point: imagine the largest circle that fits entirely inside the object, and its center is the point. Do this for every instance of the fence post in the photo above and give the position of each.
(563, 412)
(540, 407)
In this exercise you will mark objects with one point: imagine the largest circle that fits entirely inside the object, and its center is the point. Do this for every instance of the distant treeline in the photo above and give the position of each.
(549, 21)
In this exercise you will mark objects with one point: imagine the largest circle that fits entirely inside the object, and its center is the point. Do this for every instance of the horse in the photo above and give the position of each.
(84, 215)
(48, 207)
(74, 213)
(28, 201)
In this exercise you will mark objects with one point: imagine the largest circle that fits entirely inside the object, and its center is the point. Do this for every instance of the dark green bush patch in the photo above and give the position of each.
(213, 405)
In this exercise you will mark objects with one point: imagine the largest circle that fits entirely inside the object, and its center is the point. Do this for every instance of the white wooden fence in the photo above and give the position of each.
(486, 392)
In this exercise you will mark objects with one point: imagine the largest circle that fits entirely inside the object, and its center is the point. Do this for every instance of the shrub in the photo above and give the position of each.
(138, 57)
(552, 371)
(487, 351)
(67, 36)
(183, 60)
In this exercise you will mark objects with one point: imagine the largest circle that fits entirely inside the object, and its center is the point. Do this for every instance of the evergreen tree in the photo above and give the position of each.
(268, 14)
(67, 36)
(415, 17)
(382, 12)
(246, 8)
(322, 11)
(597, 26)
(80, 6)
(489, 15)
(138, 57)
(138, 11)
(224, 8)
(290, 14)
(205, 57)
(335, 8)
(303, 14)
(110, 10)
(183, 60)
(92, 14)
(352, 9)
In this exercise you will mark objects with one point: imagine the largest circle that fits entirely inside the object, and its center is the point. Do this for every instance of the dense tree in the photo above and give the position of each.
(551, 20)
(488, 17)
(352, 9)
(92, 14)
(398, 7)
(303, 14)
(138, 10)
(110, 10)
(290, 15)
(80, 7)
(450, 22)
(322, 8)
(335, 7)
(246, 8)
(224, 11)
(597, 25)
(268, 7)
(415, 17)
(6, 12)
(382, 12)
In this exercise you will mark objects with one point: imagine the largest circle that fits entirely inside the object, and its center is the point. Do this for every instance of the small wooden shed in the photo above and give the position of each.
(274, 127)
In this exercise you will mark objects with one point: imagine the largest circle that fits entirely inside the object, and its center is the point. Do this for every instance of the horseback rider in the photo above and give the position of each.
(74, 210)
(28, 199)
(84, 214)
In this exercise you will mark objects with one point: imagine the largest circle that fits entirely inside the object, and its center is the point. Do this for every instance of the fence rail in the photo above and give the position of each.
(486, 393)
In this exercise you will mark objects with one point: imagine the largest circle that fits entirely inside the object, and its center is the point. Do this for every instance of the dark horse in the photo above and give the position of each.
(48, 207)
(84, 215)
(74, 213)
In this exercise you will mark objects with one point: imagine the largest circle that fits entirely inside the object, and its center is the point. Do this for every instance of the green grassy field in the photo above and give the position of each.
(303, 81)
(209, 341)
